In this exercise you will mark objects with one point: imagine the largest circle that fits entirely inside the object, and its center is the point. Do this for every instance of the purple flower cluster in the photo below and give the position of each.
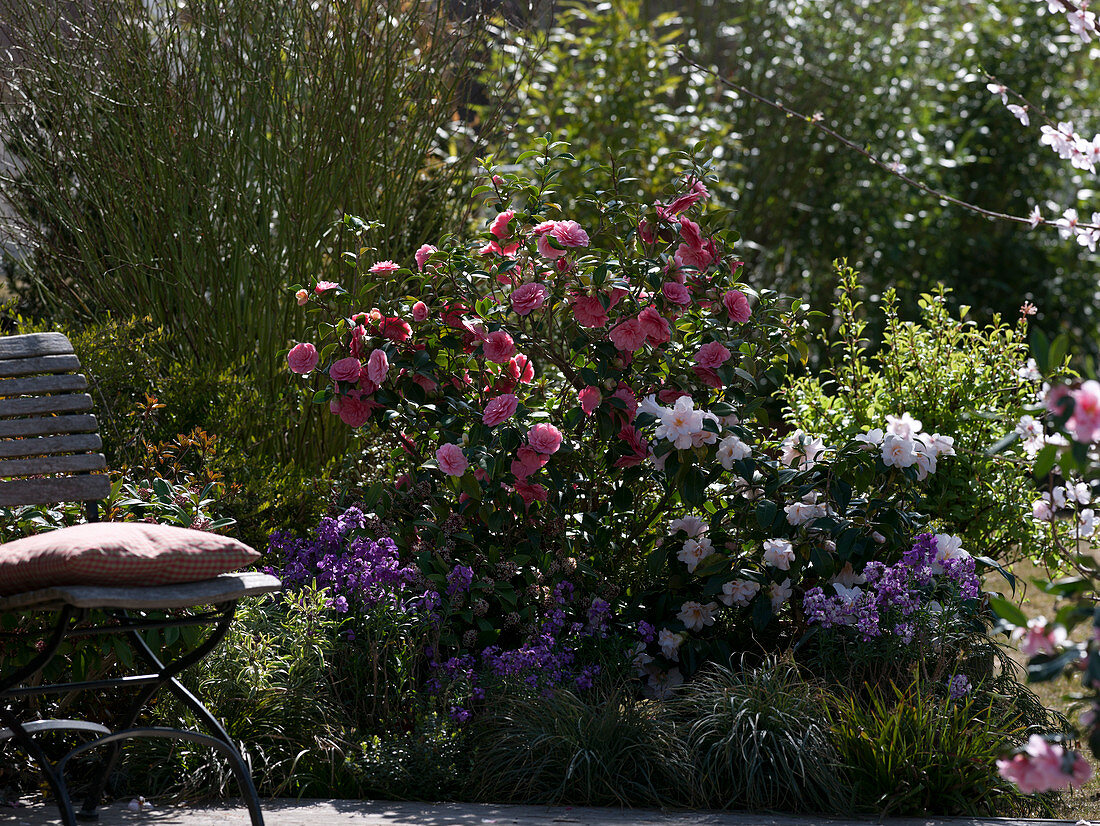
(459, 580)
(894, 594)
(958, 686)
(352, 566)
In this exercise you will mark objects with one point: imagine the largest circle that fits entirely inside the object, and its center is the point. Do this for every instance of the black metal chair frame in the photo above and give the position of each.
(127, 609)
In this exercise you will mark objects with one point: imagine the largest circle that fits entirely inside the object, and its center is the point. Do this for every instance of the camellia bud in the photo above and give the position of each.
(498, 181)
(302, 296)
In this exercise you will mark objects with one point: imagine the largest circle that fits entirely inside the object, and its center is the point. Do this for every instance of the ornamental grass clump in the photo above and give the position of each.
(760, 739)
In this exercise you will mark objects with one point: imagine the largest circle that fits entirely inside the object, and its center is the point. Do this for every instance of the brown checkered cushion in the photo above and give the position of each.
(118, 553)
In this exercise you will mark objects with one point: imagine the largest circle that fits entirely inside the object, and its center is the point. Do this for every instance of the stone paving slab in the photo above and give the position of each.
(375, 813)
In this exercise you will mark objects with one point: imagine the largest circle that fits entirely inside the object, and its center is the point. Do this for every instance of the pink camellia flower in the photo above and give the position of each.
(521, 369)
(589, 397)
(452, 460)
(302, 358)
(676, 293)
(708, 377)
(353, 412)
(712, 354)
(494, 248)
(419, 311)
(528, 461)
(628, 336)
(422, 255)
(500, 227)
(531, 492)
(545, 438)
(565, 234)
(639, 447)
(589, 311)
(629, 400)
(385, 267)
(395, 329)
(1057, 400)
(737, 306)
(345, 369)
(427, 384)
(690, 232)
(377, 366)
(1040, 767)
(655, 326)
(529, 297)
(1084, 423)
(698, 258)
(325, 286)
(302, 297)
(499, 409)
(499, 347)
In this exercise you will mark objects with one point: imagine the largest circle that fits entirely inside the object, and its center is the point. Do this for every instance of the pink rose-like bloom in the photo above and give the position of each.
(345, 369)
(566, 234)
(427, 384)
(499, 227)
(377, 366)
(1057, 399)
(302, 358)
(708, 377)
(353, 412)
(712, 355)
(302, 298)
(419, 311)
(630, 402)
(395, 329)
(655, 326)
(529, 297)
(385, 267)
(545, 438)
(531, 492)
(589, 311)
(628, 336)
(499, 409)
(494, 248)
(499, 347)
(528, 461)
(1084, 423)
(737, 306)
(422, 255)
(521, 369)
(590, 398)
(325, 286)
(1039, 768)
(698, 258)
(676, 293)
(639, 447)
(452, 460)
(690, 232)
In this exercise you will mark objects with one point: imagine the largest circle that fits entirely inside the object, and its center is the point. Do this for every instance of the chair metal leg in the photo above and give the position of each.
(53, 774)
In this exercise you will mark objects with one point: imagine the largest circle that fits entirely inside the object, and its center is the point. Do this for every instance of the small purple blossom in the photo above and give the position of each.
(958, 686)
(459, 580)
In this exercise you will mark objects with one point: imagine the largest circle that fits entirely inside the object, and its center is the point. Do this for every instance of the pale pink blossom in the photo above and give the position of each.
(696, 616)
(385, 267)
(778, 553)
(419, 311)
(1084, 423)
(692, 525)
(898, 452)
(695, 551)
(712, 355)
(670, 643)
(1041, 767)
(499, 409)
(589, 311)
(739, 592)
(780, 592)
(628, 336)
(732, 449)
(904, 426)
(655, 326)
(345, 370)
(529, 297)
(302, 297)
(325, 286)
(302, 358)
(801, 451)
(452, 460)
(545, 438)
(423, 254)
(737, 306)
(499, 347)
(377, 366)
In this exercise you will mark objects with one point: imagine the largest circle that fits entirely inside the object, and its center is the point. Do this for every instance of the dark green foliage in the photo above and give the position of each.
(567, 749)
(430, 763)
(760, 739)
(912, 753)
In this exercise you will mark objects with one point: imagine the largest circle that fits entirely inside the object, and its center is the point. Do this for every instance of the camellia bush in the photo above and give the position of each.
(578, 430)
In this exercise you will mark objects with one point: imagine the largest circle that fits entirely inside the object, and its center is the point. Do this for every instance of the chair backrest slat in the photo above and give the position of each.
(45, 364)
(48, 425)
(50, 445)
(44, 432)
(40, 385)
(51, 491)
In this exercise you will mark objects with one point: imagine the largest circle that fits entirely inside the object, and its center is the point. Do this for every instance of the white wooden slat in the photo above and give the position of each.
(33, 345)
(49, 445)
(40, 385)
(49, 425)
(51, 491)
(45, 364)
(52, 464)
(66, 403)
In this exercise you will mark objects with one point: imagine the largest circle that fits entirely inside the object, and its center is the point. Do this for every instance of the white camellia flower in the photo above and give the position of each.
(872, 438)
(1086, 523)
(641, 659)
(649, 405)
(732, 449)
(739, 592)
(1078, 493)
(808, 509)
(780, 592)
(680, 423)
(694, 552)
(947, 547)
(925, 460)
(692, 525)
(696, 616)
(670, 643)
(848, 596)
(778, 553)
(904, 426)
(800, 450)
(898, 451)
(941, 445)
(1041, 511)
(661, 685)
(848, 577)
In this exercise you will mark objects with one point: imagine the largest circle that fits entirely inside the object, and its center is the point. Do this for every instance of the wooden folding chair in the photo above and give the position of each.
(49, 453)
